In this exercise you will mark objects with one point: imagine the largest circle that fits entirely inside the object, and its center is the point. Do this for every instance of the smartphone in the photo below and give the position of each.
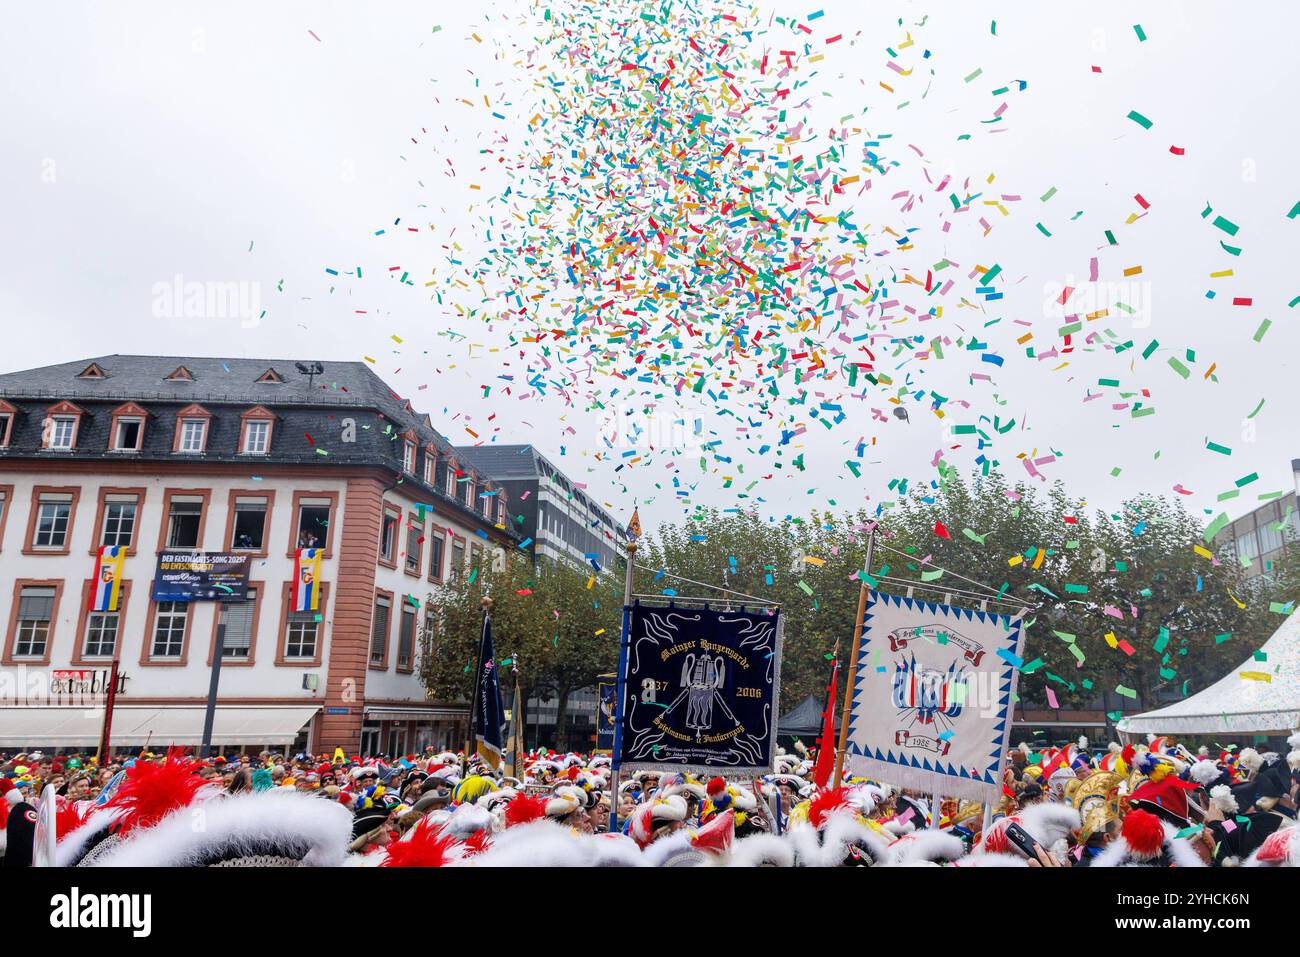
(1020, 839)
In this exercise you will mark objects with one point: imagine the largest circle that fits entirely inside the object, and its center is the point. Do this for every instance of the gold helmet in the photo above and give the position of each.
(1097, 800)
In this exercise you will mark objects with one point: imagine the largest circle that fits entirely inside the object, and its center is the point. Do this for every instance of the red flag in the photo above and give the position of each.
(941, 530)
(826, 744)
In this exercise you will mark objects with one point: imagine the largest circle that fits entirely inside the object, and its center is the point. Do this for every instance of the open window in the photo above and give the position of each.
(184, 521)
(313, 523)
(248, 528)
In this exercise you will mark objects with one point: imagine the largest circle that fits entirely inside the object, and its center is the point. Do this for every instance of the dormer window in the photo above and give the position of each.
(430, 463)
(180, 374)
(194, 435)
(191, 430)
(7, 415)
(126, 432)
(270, 376)
(255, 431)
(452, 473)
(62, 423)
(408, 451)
(92, 371)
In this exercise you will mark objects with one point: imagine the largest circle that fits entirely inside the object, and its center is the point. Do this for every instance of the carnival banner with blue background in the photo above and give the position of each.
(932, 697)
(605, 712)
(701, 689)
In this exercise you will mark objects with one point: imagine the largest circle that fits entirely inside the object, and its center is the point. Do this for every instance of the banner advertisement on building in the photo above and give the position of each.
(201, 576)
(932, 697)
(701, 690)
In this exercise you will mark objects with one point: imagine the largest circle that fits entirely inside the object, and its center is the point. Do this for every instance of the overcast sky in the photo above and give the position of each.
(264, 143)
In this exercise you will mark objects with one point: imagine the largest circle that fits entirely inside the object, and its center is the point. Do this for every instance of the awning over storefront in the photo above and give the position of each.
(416, 714)
(136, 725)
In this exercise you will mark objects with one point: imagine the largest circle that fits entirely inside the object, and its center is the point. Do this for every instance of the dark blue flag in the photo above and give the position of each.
(488, 713)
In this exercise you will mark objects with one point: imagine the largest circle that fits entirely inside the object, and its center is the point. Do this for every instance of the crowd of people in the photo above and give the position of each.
(1158, 804)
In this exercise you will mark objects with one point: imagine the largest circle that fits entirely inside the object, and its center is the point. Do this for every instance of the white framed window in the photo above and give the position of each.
(428, 468)
(101, 635)
(194, 434)
(54, 514)
(379, 630)
(35, 613)
(257, 437)
(184, 518)
(388, 536)
(128, 435)
(169, 628)
(6, 423)
(408, 457)
(300, 635)
(406, 637)
(248, 533)
(119, 521)
(237, 616)
(63, 431)
(451, 481)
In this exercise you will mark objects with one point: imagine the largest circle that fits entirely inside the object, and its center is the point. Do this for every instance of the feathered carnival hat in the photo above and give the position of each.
(649, 818)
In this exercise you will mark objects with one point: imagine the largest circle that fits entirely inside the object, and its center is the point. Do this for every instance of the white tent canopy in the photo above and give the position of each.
(136, 725)
(1262, 696)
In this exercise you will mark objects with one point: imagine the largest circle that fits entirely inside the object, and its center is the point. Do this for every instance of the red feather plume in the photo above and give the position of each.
(71, 816)
(716, 786)
(1143, 833)
(477, 842)
(427, 847)
(150, 792)
(826, 802)
(525, 808)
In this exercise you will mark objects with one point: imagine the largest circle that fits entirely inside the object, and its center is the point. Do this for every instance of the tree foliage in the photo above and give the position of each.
(1119, 600)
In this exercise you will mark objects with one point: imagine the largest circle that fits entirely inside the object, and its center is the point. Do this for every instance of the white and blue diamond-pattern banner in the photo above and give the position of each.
(932, 697)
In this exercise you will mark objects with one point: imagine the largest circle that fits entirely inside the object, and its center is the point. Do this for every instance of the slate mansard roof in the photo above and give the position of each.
(310, 412)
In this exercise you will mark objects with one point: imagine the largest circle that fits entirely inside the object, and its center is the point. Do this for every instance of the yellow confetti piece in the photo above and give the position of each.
(1015, 560)
(1110, 639)
(397, 339)
(1240, 604)
(819, 562)
(1256, 676)
(1203, 552)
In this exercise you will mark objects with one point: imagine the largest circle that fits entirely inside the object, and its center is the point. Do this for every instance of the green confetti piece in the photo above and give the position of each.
(1216, 447)
(1140, 120)
(1215, 527)
(1263, 326)
(1048, 195)
(1137, 28)
(1152, 346)
(1126, 692)
(1178, 367)
(1226, 225)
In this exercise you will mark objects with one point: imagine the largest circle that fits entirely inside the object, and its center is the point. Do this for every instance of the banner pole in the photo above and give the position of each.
(633, 532)
(846, 711)
(107, 728)
(210, 712)
(470, 749)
